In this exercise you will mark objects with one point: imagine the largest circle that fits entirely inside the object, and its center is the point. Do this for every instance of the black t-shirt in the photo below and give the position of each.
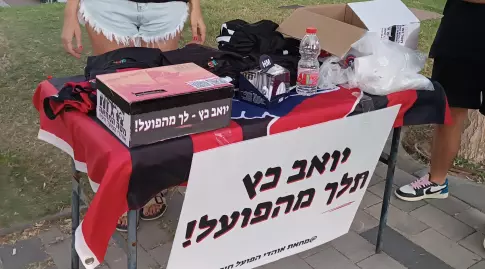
(461, 32)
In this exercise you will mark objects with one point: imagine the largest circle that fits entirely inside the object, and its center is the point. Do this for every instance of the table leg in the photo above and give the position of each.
(391, 166)
(132, 243)
(76, 190)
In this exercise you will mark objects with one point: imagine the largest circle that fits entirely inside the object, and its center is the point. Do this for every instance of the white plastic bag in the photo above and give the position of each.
(382, 67)
(331, 73)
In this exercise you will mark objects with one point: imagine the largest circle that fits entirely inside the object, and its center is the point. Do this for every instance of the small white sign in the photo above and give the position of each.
(257, 201)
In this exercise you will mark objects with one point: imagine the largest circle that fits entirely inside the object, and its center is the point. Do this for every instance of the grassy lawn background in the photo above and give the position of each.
(34, 176)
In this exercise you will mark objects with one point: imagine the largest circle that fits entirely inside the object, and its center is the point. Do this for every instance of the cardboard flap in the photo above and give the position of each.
(424, 15)
(329, 31)
(383, 13)
(334, 11)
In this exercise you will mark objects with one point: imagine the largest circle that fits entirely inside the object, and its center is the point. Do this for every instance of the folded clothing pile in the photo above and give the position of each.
(124, 59)
(260, 38)
(220, 63)
(78, 96)
(81, 96)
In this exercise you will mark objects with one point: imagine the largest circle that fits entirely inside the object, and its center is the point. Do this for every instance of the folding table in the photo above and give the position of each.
(417, 107)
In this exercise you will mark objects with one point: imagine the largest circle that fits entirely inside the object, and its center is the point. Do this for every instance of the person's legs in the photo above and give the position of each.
(132, 24)
(168, 45)
(162, 24)
(108, 29)
(154, 209)
(101, 44)
(446, 143)
(463, 85)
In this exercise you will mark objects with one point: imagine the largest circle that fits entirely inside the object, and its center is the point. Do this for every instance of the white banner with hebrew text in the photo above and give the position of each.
(257, 201)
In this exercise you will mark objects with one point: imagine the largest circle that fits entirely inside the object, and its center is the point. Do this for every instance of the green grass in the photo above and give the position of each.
(34, 176)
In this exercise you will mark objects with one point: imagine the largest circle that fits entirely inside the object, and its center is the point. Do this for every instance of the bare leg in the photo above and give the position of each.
(168, 45)
(155, 208)
(101, 44)
(446, 144)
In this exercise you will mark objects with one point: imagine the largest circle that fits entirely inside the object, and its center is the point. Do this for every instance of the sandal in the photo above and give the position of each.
(124, 227)
(159, 199)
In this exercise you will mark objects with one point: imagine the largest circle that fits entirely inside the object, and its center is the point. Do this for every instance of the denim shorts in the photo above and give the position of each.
(128, 22)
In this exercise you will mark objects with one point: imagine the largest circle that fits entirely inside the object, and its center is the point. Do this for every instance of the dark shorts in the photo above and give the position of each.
(463, 82)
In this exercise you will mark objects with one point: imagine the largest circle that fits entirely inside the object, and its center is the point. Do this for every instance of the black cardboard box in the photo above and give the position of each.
(275, 91)
(146, 106)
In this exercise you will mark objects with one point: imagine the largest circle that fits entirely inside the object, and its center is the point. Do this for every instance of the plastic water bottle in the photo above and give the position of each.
(308, 66)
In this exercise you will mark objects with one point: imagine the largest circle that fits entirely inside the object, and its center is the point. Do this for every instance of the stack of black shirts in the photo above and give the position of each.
(260, 38)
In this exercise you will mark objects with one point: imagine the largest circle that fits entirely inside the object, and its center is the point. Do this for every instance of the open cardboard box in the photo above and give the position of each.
(341, 25)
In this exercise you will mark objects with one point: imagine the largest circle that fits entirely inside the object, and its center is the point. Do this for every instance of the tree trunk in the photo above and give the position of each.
(473, 138)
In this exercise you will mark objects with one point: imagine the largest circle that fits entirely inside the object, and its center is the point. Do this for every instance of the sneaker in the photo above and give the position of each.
(422, 189)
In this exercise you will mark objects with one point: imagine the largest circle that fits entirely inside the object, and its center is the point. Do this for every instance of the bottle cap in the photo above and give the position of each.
(311, 30)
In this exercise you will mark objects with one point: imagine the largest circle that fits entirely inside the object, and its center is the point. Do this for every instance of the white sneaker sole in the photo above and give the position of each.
(426, 196)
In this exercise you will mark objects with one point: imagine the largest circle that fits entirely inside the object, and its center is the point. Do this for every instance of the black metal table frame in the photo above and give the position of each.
(130, 247)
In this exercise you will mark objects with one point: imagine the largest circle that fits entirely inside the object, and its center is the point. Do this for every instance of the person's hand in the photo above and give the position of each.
(198, 26)
(71, 30)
